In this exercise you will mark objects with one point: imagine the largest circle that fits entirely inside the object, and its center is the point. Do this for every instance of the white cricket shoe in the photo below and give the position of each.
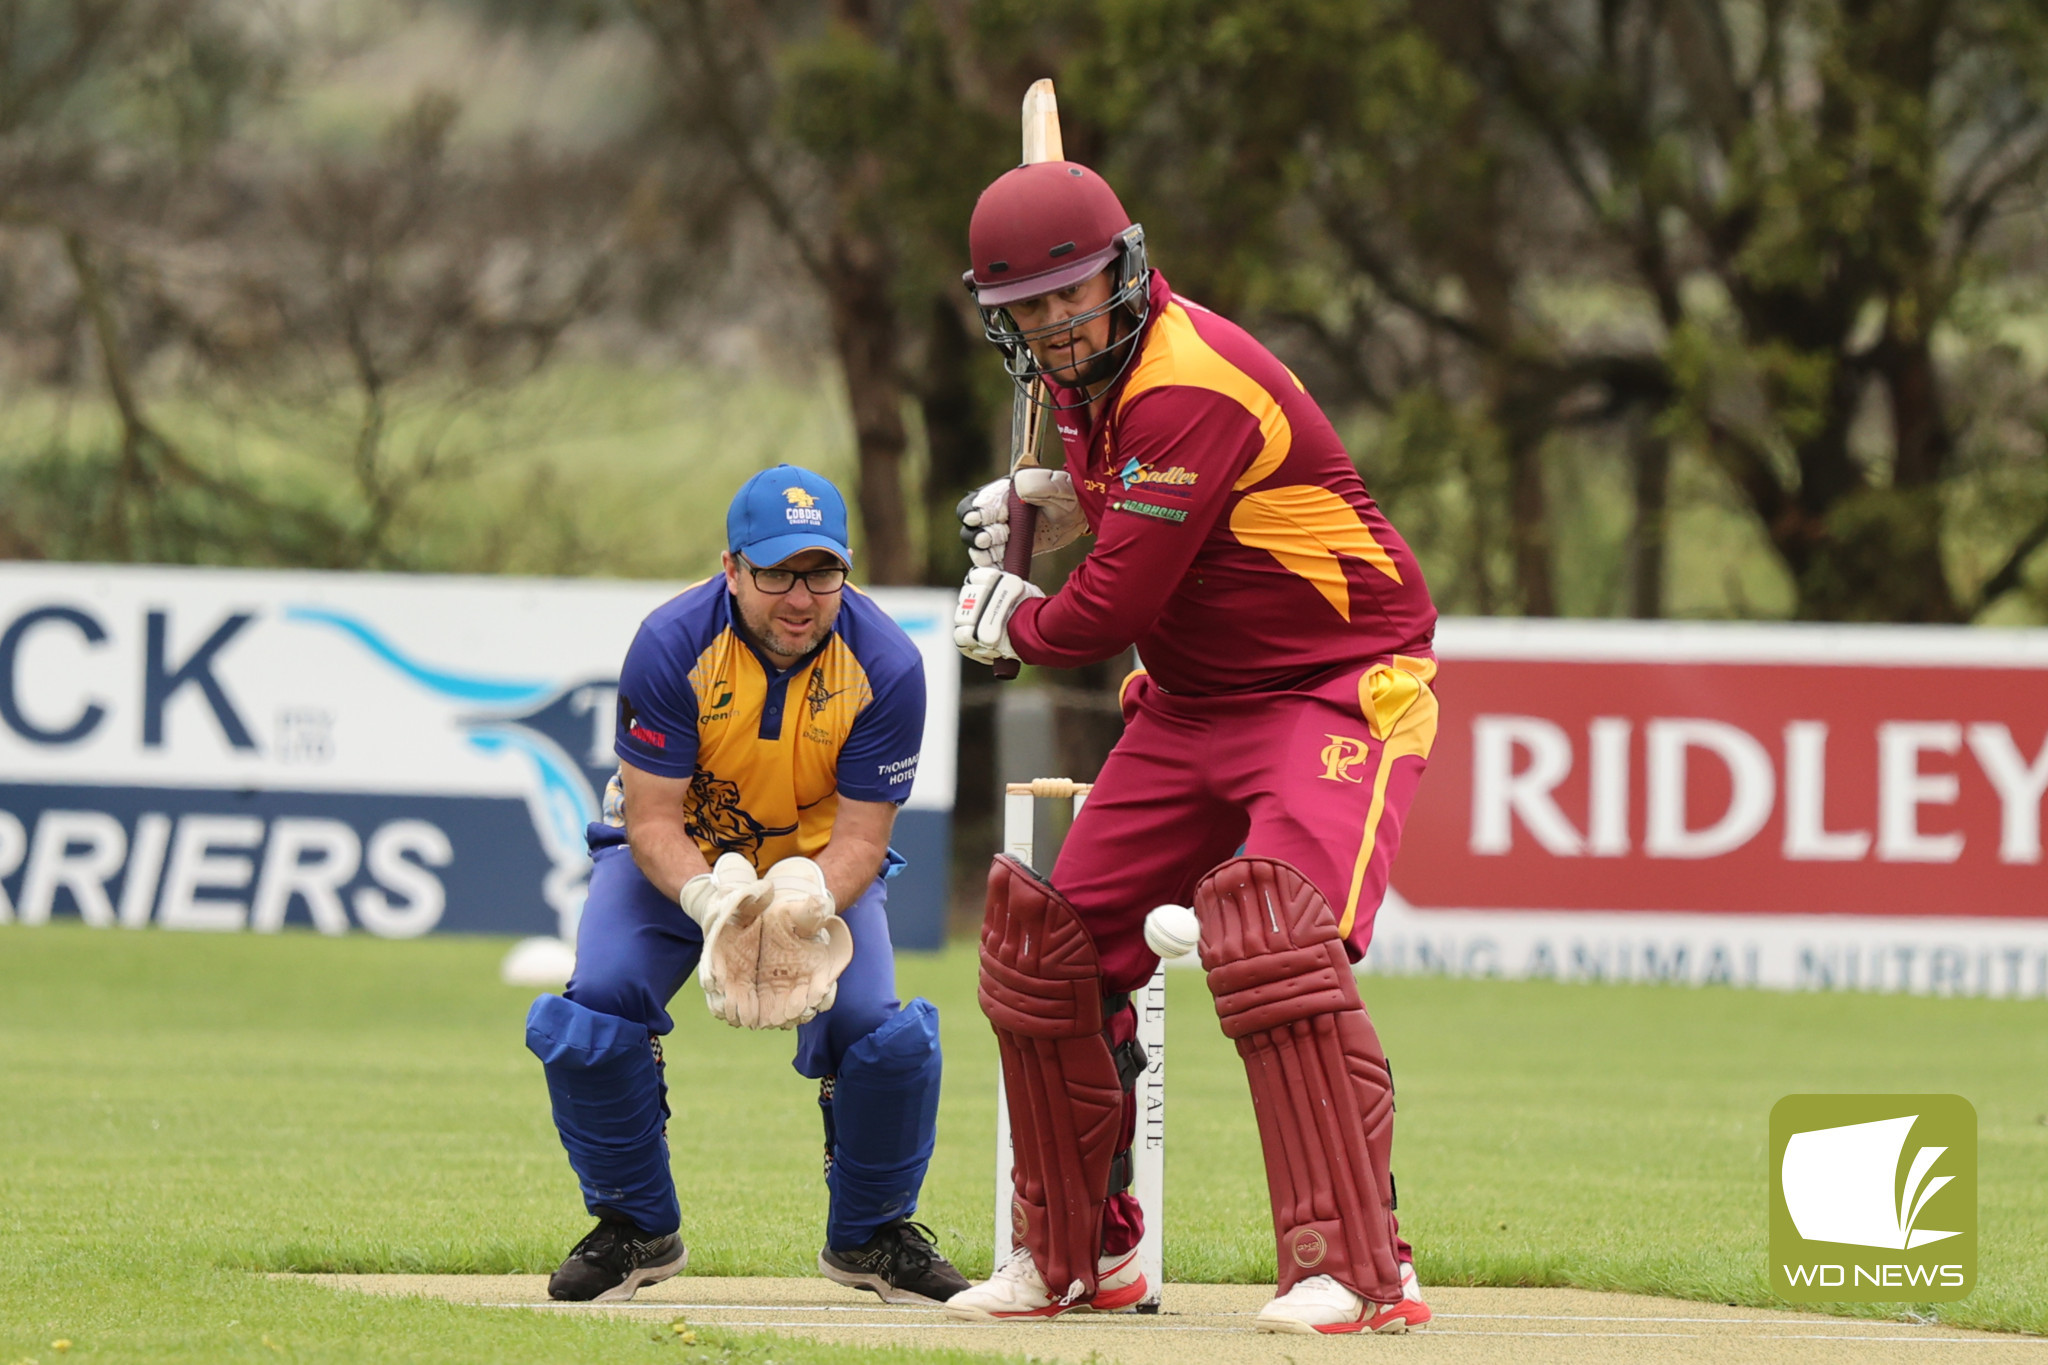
(1017, 1291)
(1320, 1304)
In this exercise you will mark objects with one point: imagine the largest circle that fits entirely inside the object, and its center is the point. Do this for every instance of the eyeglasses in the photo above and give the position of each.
(776, 582)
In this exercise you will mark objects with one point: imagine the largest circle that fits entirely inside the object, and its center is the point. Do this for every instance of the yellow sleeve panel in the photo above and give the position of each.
(1306, 528)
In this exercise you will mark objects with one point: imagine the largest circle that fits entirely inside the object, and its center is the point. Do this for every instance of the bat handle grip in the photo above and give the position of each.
(1017, 558)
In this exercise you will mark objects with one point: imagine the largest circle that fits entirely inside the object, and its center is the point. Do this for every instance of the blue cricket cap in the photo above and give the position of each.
(784, 511)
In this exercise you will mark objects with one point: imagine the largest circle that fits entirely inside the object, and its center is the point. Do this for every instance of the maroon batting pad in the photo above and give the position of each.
(1041, 989)
(1284, 991)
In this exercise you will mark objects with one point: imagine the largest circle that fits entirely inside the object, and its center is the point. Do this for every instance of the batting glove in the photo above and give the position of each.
(981, 623)
(985, 515)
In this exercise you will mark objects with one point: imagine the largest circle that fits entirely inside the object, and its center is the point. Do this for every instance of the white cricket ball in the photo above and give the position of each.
(1172, 931)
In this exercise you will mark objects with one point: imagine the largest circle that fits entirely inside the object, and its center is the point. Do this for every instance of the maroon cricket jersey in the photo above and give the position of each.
(1235, 545)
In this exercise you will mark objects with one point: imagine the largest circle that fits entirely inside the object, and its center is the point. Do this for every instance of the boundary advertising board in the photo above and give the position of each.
(227, 749)
(1788, 806)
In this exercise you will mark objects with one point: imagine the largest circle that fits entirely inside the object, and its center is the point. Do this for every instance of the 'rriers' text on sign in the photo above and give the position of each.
(232, 750)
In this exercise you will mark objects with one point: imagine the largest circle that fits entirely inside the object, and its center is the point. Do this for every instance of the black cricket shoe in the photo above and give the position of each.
(611, 1264)
(899, 1263)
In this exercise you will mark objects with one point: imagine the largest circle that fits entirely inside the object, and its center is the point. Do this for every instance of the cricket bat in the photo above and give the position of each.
(1041, 143)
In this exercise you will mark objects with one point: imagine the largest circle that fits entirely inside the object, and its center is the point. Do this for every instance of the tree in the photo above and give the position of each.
(1786, 212)
(82, 81)
(859, 139)
(360, 307)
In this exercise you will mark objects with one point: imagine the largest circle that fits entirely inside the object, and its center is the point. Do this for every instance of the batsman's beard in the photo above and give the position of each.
(1097, 369)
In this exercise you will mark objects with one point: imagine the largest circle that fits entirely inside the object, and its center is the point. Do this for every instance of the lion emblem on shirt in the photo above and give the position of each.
(717, 818)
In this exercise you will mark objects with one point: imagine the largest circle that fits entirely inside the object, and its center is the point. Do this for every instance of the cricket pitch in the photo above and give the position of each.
(1472, 1326)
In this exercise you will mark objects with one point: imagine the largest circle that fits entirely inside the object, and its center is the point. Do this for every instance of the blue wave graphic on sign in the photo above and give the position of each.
(436, 680)
(566, 801)
(560, 803)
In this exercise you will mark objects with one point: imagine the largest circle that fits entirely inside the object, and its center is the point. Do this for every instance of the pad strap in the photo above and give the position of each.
(1284, 991)
(1041, 988)
(1131, 1059)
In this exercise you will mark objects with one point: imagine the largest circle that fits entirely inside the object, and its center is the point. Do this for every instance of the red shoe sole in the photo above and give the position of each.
(1109, 1302)
(1051, 1310)
(1405, 1316)
(1114, 1299)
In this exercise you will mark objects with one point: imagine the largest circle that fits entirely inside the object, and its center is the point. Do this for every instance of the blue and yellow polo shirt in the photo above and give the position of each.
(768, 752)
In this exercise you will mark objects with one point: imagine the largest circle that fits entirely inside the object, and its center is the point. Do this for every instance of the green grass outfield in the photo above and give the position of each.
(179, 1111)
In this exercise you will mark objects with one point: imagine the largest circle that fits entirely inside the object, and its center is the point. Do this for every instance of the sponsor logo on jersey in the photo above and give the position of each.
(629, 721)
(1340, 756)
(1175, 482)
(1873, 1198)
(1150, 509)
(721, 703)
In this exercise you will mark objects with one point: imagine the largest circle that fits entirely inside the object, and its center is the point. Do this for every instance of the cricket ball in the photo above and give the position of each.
(1172, 931)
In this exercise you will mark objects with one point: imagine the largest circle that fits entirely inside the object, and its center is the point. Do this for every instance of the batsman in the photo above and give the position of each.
(769, 718)
(1272, 746)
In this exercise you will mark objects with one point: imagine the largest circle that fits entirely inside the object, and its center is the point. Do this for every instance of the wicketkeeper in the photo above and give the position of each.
(770, 719)
(1287, 713)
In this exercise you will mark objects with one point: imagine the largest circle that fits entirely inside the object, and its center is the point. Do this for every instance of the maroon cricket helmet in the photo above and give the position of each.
(1040, 228)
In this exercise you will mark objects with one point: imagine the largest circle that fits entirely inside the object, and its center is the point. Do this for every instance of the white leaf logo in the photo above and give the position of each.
(1838, 1185)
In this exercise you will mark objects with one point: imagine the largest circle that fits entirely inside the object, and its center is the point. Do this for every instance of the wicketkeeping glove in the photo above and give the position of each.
(805, 945)
(985, 515)
(727, 902)
(981, 621)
